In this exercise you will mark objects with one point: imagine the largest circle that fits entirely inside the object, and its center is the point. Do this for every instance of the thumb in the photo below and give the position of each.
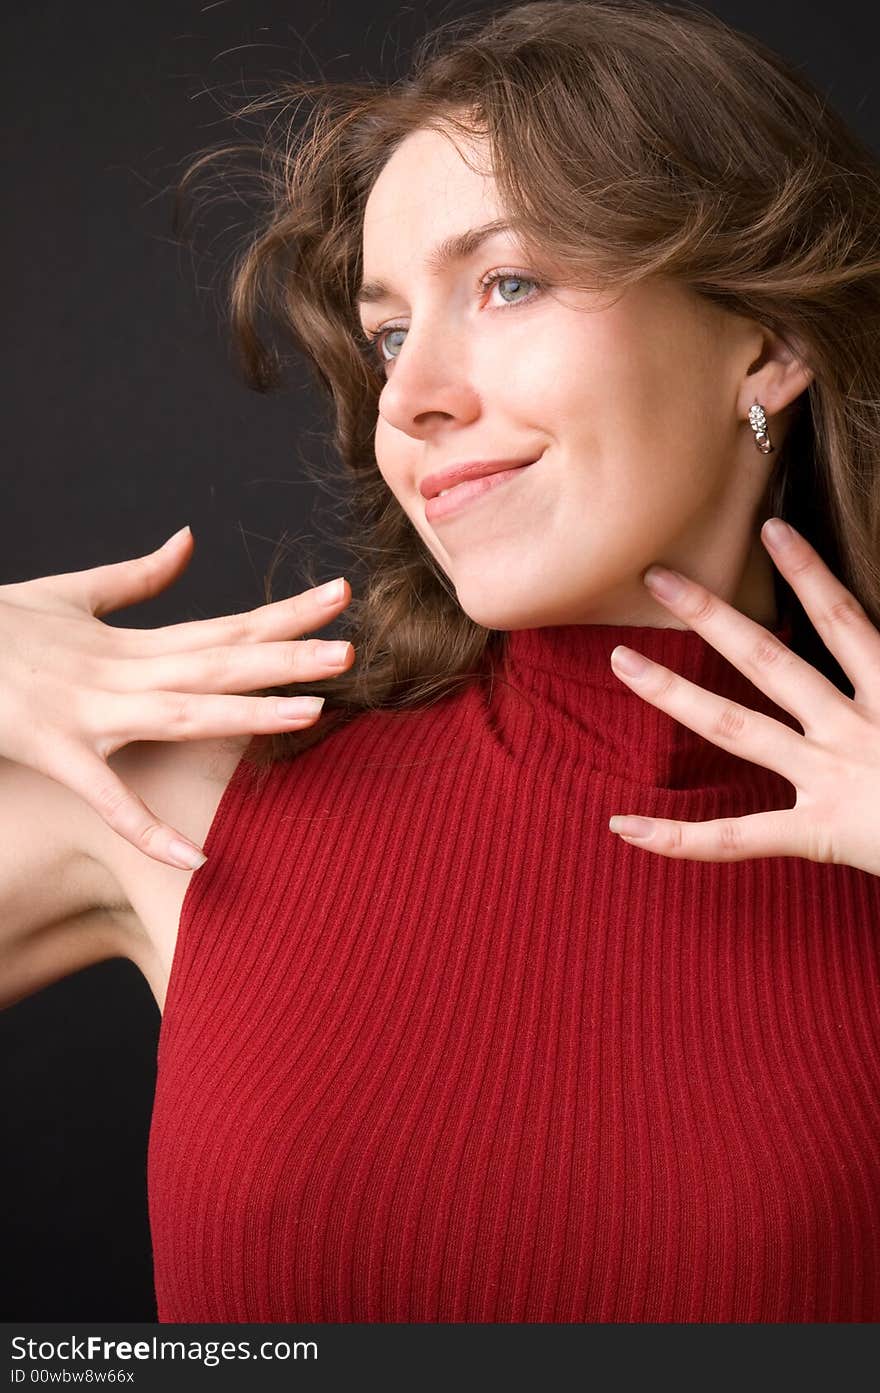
(108, 588)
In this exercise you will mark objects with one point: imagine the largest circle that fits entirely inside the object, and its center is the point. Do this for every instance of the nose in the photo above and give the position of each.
(429, 384)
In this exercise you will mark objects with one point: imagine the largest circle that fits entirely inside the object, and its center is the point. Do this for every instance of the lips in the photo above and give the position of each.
(433, 484)
(463, 495)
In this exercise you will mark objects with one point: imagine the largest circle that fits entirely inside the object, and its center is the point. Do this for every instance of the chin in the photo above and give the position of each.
(500, 614)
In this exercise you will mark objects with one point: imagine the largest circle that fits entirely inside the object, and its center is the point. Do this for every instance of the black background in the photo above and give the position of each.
(124, 419)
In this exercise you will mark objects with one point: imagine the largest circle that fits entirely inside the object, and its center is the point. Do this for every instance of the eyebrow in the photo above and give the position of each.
(459, 247)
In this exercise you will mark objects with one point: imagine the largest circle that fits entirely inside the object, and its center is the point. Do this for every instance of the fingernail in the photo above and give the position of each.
(172, 540)
(187, 857)
(335, 654)
(298, 708)
(777, 532)
(640, 827)
(629, 662)
(331, 592)
(669, 585)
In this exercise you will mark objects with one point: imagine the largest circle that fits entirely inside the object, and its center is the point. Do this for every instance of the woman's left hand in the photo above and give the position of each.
(834, 765)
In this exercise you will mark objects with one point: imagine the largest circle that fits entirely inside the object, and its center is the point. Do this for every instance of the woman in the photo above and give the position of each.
(438, 1045)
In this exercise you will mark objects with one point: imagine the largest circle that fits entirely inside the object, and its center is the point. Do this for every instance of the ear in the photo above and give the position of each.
(776, 378)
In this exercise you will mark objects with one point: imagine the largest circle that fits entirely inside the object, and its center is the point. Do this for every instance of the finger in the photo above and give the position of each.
(102, 589)
(834, 612)
(296, 614)
(241, 669)
(187, 716)
(759, 655)
(720, 839)
(749, 734)
(122, 810)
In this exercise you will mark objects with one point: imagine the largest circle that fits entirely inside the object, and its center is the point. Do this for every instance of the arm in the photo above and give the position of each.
(60, 908)
(76, 696)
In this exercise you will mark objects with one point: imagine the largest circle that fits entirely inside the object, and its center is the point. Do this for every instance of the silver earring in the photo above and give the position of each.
(758, 423)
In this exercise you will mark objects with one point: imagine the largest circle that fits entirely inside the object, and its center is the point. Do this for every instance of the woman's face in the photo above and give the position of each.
(635, 411)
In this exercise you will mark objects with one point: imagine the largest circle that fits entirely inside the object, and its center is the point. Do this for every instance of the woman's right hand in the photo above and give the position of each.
(73, 690)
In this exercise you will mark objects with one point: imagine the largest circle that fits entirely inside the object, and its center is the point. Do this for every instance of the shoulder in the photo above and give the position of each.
(72, 891)
(183, 783)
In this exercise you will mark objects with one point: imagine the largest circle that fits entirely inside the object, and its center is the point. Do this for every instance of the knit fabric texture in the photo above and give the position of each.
(440, 1047)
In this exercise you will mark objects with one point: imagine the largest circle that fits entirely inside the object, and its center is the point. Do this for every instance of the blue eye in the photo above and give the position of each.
(498, 277)
(379, 338)
(381, 341)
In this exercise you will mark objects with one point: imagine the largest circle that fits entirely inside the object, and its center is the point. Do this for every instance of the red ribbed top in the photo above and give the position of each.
(438, 1046)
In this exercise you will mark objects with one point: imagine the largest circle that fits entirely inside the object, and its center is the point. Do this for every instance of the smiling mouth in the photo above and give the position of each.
(455, 499)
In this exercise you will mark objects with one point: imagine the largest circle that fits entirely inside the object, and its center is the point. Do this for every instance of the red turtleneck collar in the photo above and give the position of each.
(555, 695)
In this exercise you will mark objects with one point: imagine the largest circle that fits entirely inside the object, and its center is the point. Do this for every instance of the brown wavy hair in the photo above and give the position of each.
(628, 139)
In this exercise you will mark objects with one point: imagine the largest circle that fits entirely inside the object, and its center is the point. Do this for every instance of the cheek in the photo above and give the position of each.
(648, 415)
(545, 372)
(660, 374)
(393, 459)
(395, 462)
(583, 376)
